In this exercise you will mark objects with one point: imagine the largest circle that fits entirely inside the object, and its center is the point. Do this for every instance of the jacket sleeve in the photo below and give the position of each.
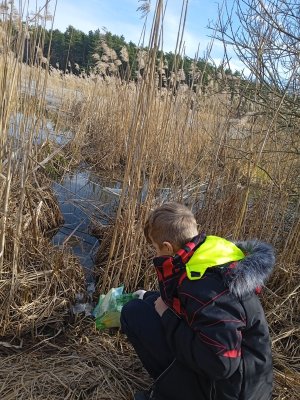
(208, 339)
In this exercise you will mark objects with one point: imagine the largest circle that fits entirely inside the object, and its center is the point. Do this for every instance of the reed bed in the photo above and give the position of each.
(37, 282)
(240, 176)
(240, 184)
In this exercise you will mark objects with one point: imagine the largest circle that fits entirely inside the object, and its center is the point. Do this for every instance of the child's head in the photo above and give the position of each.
(169, 227)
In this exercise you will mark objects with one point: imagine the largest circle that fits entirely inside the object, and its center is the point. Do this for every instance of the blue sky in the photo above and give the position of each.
(120, 17)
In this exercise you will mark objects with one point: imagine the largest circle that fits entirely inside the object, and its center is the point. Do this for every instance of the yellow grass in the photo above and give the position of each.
(241, 178)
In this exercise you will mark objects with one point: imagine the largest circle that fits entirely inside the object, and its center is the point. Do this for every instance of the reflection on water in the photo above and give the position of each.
(81, 196)
(82, 199)
(36, 129)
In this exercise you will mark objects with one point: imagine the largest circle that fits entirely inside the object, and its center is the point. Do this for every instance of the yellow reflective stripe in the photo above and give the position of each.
(214, 251)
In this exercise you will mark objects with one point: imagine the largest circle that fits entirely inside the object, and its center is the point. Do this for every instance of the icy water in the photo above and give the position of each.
(42, 130)
(83, 200)
(82, 197)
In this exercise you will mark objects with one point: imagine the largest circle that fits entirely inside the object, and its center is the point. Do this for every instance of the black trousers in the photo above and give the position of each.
(142, 325)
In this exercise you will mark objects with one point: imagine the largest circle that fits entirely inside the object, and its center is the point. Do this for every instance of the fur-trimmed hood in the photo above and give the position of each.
(252, 271)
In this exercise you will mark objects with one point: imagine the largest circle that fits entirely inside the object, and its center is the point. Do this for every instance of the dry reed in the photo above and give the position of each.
(37, 282)
(85, 366)
(240, 177)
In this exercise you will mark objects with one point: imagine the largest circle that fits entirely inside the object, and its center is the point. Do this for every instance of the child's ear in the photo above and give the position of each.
(168, 247)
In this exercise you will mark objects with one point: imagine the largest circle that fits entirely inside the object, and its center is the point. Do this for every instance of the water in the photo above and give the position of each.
(82, 200)
(42, 130)
(81, 197)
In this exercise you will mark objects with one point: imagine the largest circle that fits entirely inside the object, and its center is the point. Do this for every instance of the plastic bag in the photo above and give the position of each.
(108, 310)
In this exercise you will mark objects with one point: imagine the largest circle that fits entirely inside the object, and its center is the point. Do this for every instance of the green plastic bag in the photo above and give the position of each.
(108, 310)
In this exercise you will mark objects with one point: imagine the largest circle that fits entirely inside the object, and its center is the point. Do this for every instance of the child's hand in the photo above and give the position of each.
(160, 306)
(140, 293)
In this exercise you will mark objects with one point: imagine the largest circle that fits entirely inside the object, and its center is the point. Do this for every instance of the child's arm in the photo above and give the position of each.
(209, 340)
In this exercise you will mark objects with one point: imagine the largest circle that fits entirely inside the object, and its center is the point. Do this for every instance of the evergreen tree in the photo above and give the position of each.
(75, 51)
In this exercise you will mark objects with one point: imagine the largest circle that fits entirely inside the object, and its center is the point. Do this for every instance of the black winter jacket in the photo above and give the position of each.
(216, 327)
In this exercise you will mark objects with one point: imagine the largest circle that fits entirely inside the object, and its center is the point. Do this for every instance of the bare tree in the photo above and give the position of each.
(265, 35)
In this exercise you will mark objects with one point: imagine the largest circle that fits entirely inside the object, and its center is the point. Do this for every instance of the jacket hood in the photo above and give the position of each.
(253, 270)
(212, 252)
(245, 265)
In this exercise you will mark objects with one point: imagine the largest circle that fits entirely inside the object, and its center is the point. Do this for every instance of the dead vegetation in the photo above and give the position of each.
(37, 282)
(82, 365)
(241, 179)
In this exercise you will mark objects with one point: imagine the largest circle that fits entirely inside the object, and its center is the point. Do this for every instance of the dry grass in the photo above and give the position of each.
(39, 293)
(239, 187)
(37, 282)
(81, 365)
(281, 302)
(84, 364)
(242, 181)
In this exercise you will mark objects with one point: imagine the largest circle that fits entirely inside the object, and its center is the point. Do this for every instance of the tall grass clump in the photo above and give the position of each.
(36, 281)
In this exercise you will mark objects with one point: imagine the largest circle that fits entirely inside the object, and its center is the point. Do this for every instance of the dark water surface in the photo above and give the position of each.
(83, 200)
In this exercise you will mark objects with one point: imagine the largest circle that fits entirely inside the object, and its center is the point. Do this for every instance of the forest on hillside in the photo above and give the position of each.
(76, 52)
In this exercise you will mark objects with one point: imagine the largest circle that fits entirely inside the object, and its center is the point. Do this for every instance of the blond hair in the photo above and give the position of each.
(172, 222)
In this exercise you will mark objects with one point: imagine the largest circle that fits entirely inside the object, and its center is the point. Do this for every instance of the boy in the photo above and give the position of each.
(204, 336)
